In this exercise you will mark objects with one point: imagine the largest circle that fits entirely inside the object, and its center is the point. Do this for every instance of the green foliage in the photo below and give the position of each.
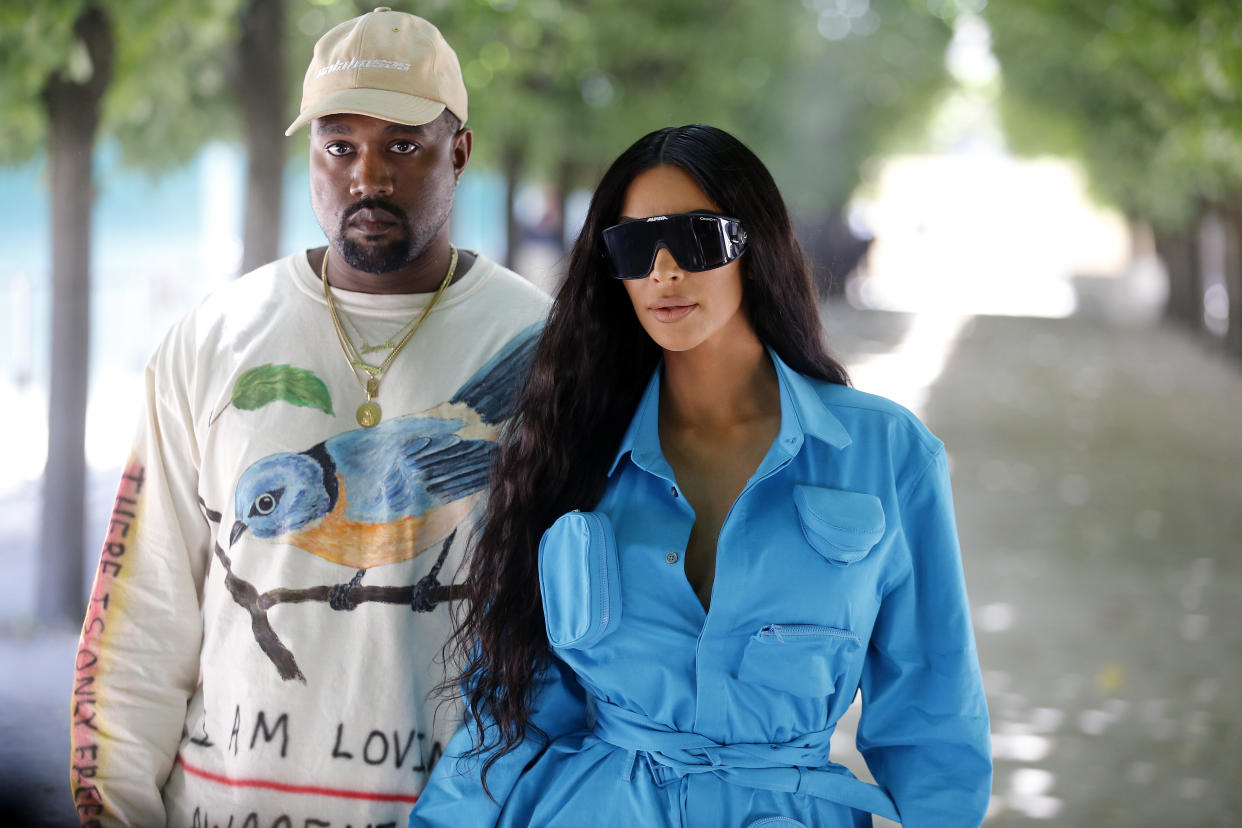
(1144, 92)
(173, 85)
(563, 84)
(36, 39)
(168, 93)
(568, 84)
(829, 105)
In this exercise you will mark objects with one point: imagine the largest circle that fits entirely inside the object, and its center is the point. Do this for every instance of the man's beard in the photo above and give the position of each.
(385, 258)
(375, 259)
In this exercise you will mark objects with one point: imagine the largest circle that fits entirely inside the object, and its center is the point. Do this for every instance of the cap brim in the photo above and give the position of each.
(397, 107)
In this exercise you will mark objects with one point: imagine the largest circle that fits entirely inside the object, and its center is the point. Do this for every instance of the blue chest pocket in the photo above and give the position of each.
(842, 526)
(580, 578)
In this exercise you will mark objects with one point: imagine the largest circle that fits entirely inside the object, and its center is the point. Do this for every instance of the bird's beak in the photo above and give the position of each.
(239, 528)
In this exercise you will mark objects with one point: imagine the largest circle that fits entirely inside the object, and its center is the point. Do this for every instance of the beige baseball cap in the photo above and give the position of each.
(386, 64)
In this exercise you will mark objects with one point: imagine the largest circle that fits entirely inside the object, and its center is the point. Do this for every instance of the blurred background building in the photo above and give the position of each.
(1025, 221)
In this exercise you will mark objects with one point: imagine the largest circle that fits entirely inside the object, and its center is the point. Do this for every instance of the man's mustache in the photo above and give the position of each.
(374, 204)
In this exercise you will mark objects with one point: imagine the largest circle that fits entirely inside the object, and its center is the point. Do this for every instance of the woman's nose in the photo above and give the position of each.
(665, 268)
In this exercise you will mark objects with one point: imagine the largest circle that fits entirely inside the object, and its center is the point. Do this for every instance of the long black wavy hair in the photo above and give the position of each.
(590, 368)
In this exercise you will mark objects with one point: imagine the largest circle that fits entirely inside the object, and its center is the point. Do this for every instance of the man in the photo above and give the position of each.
(270, 607)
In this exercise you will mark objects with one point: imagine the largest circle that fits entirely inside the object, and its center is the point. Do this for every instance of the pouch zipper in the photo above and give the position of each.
(598, 525)
(782, 631)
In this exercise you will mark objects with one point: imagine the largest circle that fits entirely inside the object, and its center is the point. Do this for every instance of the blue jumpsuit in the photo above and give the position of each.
(837, 569)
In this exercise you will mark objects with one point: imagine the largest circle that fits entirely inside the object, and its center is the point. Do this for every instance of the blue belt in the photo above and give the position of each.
(673, 754)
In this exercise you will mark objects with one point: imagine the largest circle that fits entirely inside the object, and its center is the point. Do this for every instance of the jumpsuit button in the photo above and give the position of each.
(673, 489)
(671, 557)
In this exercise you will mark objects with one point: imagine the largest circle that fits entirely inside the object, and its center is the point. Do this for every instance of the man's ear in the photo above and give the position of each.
(463, 144)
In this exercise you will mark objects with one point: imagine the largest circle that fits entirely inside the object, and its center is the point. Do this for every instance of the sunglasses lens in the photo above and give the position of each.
(709, 243)
(631, 246)
(697, 242)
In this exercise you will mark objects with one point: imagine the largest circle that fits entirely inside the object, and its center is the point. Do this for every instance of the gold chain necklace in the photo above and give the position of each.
(370, 376)
(365, 348)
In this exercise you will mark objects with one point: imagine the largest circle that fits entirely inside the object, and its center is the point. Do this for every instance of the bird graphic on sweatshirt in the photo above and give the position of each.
(368, 497)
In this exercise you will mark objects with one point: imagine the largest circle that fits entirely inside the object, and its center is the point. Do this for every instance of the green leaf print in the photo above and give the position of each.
(268, 383)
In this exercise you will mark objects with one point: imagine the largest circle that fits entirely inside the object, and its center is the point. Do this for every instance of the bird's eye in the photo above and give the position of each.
(266, 503)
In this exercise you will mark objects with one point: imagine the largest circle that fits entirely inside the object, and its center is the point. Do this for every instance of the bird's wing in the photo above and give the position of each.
(493, 388)
(397, 492)
(447, 466)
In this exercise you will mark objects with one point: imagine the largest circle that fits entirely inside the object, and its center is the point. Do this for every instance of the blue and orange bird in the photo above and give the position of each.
(375, 496)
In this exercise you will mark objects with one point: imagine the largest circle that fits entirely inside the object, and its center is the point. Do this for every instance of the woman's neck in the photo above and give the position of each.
(718, 384)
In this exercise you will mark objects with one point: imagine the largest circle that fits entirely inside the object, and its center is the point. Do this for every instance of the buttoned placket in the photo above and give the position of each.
(712, 663)
(729, 586)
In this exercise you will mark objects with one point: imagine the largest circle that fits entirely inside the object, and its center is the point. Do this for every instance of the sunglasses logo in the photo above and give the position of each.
(658, 218)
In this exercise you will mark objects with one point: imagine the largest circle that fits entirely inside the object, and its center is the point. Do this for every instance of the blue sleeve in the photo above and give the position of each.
(454, 796)
(924, 726)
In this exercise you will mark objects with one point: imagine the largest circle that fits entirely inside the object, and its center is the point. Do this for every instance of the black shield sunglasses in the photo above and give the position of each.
(697, 241)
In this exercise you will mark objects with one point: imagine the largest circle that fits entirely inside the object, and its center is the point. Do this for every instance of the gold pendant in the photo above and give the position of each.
(369, 414)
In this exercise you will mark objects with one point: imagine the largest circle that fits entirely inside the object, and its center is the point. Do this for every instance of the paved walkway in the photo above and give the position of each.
(1098, 479)
(1098, 475)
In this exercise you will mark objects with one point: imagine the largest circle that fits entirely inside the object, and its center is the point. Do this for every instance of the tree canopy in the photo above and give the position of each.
(815, 87)
(169, 91)
(1145, 93)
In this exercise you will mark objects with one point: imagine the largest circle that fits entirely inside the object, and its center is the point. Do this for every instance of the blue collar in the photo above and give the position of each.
(803, 414)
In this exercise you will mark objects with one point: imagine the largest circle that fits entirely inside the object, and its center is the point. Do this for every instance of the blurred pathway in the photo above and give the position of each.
(1097, 471)
(36, 665)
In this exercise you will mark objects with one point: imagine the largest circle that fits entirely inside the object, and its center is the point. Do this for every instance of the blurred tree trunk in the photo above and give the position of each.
(566, 174)
(512, 159)
(72, 99)
(1179, 251)
(260, 84)
(1231, 212)
(832, 250)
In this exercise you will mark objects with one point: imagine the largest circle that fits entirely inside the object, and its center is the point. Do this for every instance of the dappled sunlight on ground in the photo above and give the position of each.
(1099, 502)
(907, 373)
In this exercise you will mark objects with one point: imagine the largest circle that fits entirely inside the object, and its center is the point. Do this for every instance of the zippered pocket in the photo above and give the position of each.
(802, 659)
(782, 632)
(580, 579)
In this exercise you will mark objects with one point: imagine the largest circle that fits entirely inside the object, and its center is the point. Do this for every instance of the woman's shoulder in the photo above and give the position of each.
(866, 416)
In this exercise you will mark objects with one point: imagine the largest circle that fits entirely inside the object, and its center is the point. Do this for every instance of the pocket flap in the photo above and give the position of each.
(841, 525)
(579, 576)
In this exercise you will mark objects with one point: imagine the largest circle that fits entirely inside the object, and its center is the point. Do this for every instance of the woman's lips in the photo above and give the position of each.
(673, 311)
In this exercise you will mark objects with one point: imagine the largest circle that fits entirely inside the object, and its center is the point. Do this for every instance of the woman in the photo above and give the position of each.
(755, 542)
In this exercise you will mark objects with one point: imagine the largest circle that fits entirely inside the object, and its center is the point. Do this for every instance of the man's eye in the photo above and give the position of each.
(403, 147)
(337, 148)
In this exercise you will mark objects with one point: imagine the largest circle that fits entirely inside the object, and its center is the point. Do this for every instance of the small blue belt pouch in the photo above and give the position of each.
(580, 579)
